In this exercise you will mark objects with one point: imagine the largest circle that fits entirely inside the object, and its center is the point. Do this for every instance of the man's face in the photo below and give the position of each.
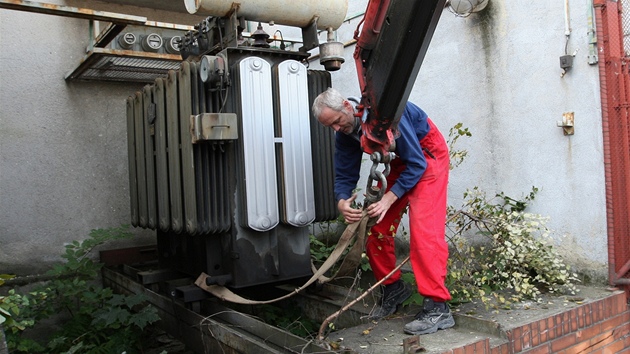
(340, 121)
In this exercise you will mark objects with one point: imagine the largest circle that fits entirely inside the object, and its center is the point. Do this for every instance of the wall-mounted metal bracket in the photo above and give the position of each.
(310, 36)
(213, 126)
(567, 123)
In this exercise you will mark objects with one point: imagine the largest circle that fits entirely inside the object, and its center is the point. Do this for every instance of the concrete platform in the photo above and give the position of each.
(474, 323)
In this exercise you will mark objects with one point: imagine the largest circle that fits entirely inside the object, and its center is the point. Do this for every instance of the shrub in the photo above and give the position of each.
(97, 320)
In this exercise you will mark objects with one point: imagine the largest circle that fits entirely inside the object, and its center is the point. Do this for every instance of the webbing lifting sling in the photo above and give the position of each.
(356, 231)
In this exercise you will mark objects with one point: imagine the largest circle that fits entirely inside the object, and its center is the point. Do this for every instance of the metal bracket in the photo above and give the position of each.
(213, 126)
(310, 36)
(567, 123)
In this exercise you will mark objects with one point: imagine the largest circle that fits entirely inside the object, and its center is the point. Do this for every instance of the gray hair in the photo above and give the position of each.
(330, 98)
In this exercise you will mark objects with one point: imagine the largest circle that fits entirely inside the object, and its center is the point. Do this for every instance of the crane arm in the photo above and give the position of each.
(391, 46)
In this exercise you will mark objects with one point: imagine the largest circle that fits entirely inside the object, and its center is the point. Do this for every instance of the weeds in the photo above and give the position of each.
(95, 320)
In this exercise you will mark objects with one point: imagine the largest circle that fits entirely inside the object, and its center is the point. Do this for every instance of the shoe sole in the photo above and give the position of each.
(433, 329)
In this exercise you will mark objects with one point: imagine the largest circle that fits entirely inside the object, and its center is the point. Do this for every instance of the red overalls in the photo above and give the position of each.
(427, 217)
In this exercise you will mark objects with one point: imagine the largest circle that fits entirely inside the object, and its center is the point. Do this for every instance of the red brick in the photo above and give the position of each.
(608, 306)
(588, 319)
(526, 333)
(557, 325)
(625, 351)
(580, 316)
(566, 323)
(622, 303)
(595, 312)
(482, 347)
(517, 345)
(560, 325)
(504, 348)
(542, 324)
(619, 304)
(611, 323)
(588, 332)
(544, 336)
(602, 340)
(516, 334)
(542, 349)
(615, 301)
(551, 328)
(469, 349)
(600, 311)
(622, 331)
(535, 334)
(581, 347)
(573, 316)
(613, 348)
(563, 342)
(458, 351)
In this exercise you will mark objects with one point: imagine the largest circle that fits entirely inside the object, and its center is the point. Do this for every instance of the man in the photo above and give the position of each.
(418, 179)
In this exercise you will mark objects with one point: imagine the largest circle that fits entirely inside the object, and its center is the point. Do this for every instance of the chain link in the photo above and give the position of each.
(374, 192)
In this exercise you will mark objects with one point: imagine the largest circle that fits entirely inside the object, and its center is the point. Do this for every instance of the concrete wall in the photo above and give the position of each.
(498, 72)
(63, 145)
(63, 160)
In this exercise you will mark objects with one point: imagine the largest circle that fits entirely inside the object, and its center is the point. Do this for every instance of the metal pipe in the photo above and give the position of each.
(592, 34)
(567, 25)
(298, 13)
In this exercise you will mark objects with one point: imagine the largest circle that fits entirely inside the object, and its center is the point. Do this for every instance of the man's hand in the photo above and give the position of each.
(380, 208)
(349, 213)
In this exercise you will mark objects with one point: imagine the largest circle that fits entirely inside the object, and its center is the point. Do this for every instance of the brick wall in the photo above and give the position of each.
(601, 326)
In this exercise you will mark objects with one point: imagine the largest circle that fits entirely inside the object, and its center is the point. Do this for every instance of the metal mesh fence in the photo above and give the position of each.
(625, 25)
(616, 103)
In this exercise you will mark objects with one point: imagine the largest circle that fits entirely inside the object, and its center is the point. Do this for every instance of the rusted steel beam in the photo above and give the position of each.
(218, 329)
(68, 11)
(168, 25)
(108, 34)
(131, 255)
(96, 53)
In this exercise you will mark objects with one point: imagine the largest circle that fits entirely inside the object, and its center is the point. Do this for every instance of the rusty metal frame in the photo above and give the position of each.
(68, 11)
(162, 63)
(149, 65)
(615, 96)
(225, 330)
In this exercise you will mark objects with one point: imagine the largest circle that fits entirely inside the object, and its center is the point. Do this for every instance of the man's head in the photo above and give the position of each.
(332, 110)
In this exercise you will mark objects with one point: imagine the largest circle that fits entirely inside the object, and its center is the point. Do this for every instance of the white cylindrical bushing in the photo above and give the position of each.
(298, 13)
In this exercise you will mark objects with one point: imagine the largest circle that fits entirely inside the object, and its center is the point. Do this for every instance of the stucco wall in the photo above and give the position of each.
(498, 72)
(63, 163)
(63, 145)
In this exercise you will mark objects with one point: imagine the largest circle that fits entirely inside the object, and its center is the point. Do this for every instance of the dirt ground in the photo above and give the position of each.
(163, 343)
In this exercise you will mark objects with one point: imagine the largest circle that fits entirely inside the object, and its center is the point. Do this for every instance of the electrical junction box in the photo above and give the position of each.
(566, 61)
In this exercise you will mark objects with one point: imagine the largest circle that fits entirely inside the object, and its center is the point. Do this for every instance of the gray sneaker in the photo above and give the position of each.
(393, 296)
(430, 319)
